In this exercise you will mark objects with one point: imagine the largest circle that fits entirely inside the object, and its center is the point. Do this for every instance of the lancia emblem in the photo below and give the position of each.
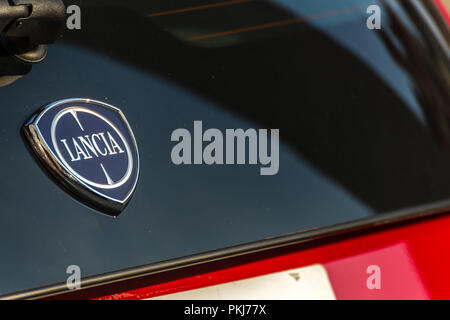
(90, 150)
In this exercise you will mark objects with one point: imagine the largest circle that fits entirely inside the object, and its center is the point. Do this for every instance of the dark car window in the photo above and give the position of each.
(363, 118)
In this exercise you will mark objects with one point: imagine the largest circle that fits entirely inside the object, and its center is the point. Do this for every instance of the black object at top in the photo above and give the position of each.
(27, 25)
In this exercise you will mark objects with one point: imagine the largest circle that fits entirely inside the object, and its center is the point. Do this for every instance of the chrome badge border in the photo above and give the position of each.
(63, 177)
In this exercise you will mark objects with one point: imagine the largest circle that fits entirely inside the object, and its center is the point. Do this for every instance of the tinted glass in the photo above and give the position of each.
(363, 118)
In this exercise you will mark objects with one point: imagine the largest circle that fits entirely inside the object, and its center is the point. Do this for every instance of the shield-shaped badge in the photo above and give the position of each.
(89, 148)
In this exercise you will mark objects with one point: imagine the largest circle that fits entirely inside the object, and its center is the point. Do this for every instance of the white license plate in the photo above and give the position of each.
(307, 283)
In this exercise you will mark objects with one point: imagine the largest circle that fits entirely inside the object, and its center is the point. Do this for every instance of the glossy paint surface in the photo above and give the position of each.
(413, 261)
(362, 114)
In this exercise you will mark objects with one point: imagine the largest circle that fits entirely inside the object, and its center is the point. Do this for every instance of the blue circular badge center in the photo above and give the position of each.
(91, 147)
